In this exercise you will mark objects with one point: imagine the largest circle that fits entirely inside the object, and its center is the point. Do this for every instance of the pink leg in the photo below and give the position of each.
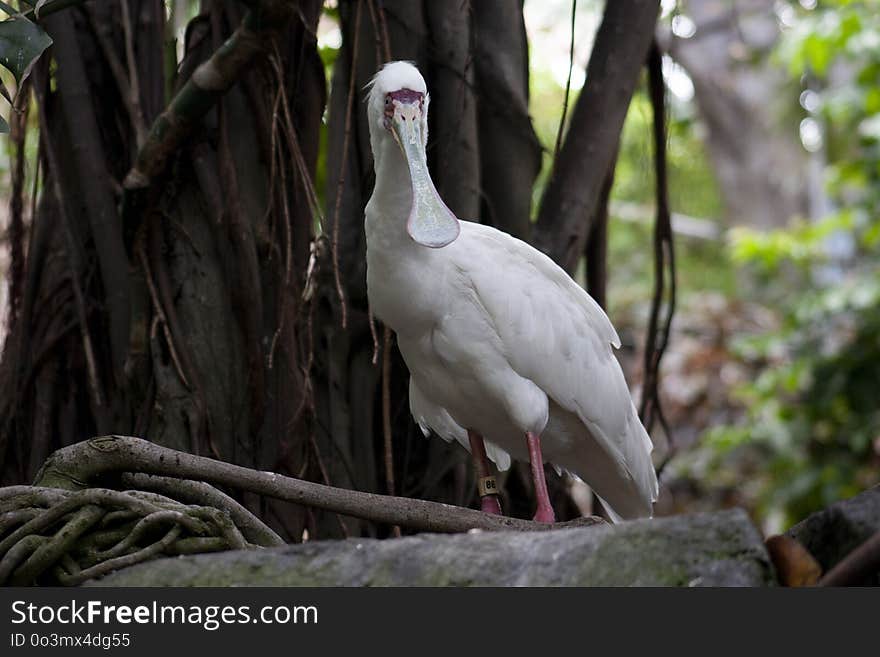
(545, 509)
(489, 503)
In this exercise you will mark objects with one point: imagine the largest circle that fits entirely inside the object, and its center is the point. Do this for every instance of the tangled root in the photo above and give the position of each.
(51, 536)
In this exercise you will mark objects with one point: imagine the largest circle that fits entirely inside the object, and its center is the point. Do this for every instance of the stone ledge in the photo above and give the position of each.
(708, 549)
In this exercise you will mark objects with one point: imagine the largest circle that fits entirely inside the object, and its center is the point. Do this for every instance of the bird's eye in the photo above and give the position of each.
(387, 101)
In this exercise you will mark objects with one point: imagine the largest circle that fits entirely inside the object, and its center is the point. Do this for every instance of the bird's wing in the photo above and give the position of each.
(556, 335)
(431, 417)
(516, 258)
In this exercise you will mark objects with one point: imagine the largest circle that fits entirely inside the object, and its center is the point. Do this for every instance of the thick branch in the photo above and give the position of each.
(75, 466)
(570, 199)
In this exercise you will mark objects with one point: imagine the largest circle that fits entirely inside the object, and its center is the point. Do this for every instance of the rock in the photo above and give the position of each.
(717, 549)
(833, 533)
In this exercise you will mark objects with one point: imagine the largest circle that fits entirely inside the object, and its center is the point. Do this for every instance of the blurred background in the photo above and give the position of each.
(771, 378)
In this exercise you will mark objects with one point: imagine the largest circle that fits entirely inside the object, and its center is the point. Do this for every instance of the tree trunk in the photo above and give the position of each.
(573, 191)
(185, 326)
(510, 154)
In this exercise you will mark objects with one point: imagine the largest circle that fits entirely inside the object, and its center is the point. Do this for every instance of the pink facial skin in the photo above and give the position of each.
(404, 96)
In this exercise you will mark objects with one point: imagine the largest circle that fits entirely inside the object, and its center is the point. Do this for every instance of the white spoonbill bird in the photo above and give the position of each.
(501, 343)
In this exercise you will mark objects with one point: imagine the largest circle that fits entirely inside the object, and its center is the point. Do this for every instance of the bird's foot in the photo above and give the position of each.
(490, 504)
(545, 514)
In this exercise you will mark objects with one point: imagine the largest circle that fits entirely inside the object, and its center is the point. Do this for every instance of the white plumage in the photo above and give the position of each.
(498, 339)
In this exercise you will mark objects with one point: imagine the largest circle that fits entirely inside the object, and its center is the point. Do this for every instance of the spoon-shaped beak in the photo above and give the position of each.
(430, 222)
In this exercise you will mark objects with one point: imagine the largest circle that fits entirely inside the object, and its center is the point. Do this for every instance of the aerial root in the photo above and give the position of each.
(56, 536)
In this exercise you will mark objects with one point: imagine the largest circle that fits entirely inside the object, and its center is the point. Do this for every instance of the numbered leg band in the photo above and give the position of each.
(487, 486)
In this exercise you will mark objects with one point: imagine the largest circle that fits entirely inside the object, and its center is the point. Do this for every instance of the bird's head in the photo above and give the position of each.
(398, 110)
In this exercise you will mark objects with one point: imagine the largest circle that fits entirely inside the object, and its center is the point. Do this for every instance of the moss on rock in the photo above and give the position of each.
(717, 549)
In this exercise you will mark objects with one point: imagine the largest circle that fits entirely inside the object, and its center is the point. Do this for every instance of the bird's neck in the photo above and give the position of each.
(389, 206)
(395, 261)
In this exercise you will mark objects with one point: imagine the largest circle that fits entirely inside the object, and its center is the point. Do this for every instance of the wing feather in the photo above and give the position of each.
(431, 417)
(556, 335)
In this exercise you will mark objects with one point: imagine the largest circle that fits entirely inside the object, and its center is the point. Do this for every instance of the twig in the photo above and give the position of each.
(293, 143)
(340, 184)
(377, 35)
(383, 26)
(383, 54)
(559, 132)
(664, 252)
(283, 291)
(285, 119)
(18, 136)
(273, 144)
(386, 416)
(374, 335)
(160, 316)
(325, 477)
(380, 31)
(386, 410)
(134, 90)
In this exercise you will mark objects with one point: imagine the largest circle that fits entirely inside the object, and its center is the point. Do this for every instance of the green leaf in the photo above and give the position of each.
(21, 44)
(818, 52)
(872, 101)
